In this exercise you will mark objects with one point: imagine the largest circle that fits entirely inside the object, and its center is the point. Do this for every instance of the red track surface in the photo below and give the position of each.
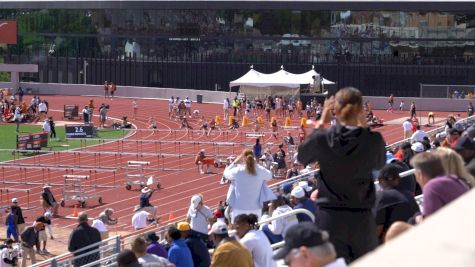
(178, 186)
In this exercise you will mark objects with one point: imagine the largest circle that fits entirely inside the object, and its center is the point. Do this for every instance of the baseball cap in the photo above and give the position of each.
(465, 143)
(304, 185)
(287, 187)
(183, 226)
(218, 213)
(298, 192)
(302, 234)
(417, 147)
(195, 201)
(14, 200)
(390, 158)
(218, 228)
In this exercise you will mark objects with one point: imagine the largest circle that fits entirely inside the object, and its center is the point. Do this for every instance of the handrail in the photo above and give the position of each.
(70, 254)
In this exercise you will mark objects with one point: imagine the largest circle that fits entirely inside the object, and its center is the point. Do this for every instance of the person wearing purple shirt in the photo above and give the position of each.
(154, 247)
(438, 188)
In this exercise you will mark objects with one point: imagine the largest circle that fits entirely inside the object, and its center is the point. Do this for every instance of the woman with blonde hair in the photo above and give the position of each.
(247, 180)
(453, 164)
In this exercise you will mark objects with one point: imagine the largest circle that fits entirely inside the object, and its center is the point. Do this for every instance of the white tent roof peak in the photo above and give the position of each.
(280, 78)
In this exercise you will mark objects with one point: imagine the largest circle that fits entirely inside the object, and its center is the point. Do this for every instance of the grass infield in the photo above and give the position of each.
(8, 138)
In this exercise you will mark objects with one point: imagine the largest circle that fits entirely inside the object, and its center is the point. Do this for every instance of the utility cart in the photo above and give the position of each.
(75, 188)
(135, 175)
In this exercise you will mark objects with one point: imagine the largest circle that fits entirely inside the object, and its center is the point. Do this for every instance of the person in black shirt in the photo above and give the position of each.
(348, 153)
(393, 203)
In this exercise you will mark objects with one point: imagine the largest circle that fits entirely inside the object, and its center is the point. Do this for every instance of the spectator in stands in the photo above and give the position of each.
(418, 135)
(83, 236)
(127, 258)
(417, 147)
(199, 215)
(348, 153)
(451, 139)
(305, 245)
(154, 247)
(454, 165)
(29, 239)
(195, 243)
(18, 212)
(465, 146)
(229, 252)
(255, 240)
(48, 202)
(292, 172)
(299, 200)
(139, 247)
(276, 230)
(392, 203)
(438, 188)
(179, 253)
(247, 180)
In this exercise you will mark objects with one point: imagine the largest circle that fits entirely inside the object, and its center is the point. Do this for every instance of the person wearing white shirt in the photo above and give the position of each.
(46, 126)
(407, 126)
(188, 107)
(100, 226)
(140, 219)
(17, 118)
(277, 229)
(171, 101)
(418, 135)
(247, 179)
(42, 109)
(199, 215)
(226, 108)
(254, 240)
(9, 257)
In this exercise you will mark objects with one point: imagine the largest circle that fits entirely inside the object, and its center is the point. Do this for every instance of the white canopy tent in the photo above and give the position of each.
(278, 83)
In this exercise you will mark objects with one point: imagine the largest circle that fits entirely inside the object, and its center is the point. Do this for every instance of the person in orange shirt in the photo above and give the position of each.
(24, 108)
(91, 109)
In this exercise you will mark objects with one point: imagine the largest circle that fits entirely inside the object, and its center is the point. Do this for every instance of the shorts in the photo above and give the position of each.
(154, 127)
(42, 235)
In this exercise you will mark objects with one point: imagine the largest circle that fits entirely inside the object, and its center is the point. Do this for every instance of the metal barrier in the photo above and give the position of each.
(8, 197)
(110, 245)
(467, 120)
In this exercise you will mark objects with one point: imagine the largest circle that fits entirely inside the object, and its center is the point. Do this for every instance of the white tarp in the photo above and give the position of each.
(280, 78)
(325, 81)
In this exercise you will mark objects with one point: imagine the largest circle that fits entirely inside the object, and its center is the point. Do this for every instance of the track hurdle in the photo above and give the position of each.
(7, 193)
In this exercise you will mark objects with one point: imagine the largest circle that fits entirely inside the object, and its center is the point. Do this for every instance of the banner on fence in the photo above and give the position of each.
(31, 141)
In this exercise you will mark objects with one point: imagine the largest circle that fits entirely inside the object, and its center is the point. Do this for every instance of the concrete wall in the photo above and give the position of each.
(426, 104)
(122, 91)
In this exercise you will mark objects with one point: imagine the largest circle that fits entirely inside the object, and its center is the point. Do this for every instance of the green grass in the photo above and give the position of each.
(8, 138)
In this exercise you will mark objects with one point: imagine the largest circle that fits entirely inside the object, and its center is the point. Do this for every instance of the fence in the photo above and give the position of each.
(446, 90)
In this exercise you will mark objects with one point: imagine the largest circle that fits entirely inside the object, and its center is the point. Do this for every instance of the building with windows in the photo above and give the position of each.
(380, 47)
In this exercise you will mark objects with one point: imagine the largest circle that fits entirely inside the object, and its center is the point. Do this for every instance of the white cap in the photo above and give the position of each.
(14, 200)
(297, 192)
(195, 201)
(304, 185)
(202, 150)
(417, 147)
(218, 228)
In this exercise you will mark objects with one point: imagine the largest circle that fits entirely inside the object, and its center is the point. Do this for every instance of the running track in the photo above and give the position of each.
(178, 186)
